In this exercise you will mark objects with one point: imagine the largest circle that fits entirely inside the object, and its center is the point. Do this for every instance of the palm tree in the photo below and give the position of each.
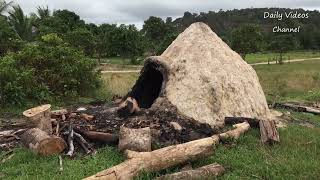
(21, 23)
(43, 12)
(4, 6)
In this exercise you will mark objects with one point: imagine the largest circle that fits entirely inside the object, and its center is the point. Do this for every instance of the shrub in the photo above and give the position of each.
(45, 70)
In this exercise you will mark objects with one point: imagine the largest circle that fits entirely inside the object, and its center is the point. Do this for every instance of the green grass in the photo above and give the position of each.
(299, 81)
(263, 57)
(296, 157)
(25, 165)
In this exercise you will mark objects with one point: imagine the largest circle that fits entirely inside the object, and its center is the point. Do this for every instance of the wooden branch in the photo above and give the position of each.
(205, 172)
(70, 142)
(268, 131)
(165, 157)
(235, 133)
(99, 136)
(60, 164)
(84, 144)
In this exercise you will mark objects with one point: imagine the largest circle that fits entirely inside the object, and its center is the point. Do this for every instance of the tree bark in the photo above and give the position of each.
(99, 136)
(41, 143)
(205, 172)
(268, 131)
(165, 157)
(135, 139)
(40, 117)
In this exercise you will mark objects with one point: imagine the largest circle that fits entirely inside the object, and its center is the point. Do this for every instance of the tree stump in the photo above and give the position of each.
(41, 143)
(268, 131)
(135, 139)
(40, 117)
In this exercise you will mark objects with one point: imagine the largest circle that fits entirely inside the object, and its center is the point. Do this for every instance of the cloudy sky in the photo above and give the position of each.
(136, 11)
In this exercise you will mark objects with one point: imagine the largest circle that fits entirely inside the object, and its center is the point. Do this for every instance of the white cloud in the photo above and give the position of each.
(136, 11)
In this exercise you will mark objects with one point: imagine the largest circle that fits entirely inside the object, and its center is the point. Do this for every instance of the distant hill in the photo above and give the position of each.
(222, 22)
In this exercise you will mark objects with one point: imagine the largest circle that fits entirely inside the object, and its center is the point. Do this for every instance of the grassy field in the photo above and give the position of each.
(264, 57)
(298, 81)
(296, 157)
(250, 58)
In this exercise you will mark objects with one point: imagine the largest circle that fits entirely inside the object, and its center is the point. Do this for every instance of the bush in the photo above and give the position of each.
(45, 70)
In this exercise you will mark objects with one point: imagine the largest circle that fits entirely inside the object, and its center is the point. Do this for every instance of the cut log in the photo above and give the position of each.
(135, 139)
(235, 133)
(205, 172)
(41, 143)
(165, 157)
(268, 131)
(40, 117)
(99, 136)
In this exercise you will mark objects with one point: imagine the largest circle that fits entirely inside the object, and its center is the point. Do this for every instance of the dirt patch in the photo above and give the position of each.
(106, 119)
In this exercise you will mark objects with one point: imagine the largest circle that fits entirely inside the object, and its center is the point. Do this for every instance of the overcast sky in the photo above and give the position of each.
(136, 11)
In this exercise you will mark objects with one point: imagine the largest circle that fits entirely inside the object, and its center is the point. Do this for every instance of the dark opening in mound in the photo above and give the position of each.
(148, 87)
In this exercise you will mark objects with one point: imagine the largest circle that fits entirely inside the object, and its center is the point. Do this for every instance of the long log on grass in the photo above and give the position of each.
(165, 157)
(204, 172)
(298, 108)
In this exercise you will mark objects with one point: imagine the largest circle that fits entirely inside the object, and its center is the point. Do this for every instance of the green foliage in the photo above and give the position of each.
(52, 39)
(45, 70)
(159, 34)
(246, 39)
(9, 40)
(81, 39)
(61, 22)
(124, 41)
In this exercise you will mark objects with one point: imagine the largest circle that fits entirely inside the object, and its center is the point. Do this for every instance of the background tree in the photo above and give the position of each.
(154, 29)
(61, 22)
(46, 70)
(81, 39)
(246, 39)
(20, 23)
(9, 40)
(283, 43)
